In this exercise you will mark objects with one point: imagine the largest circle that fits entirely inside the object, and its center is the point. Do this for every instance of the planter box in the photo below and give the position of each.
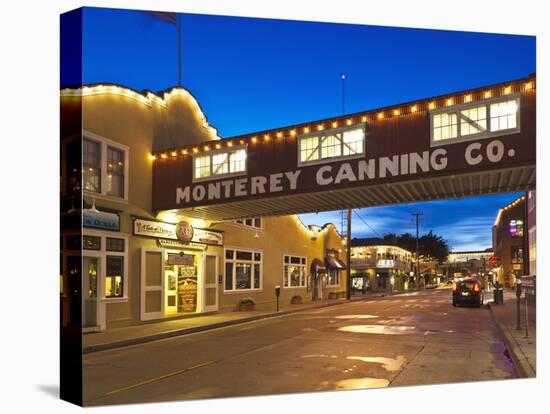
(243, 307)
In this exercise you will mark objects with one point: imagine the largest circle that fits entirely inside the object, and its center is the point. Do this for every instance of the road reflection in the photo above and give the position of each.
(378, 329)
(359, 383)
(389, 364)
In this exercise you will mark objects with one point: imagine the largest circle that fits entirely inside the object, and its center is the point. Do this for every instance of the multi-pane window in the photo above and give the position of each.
(104, 167)
(473, 120)
(114, 244)
(445, 126)
(115, 172)
(255, 222)
(333, 278)
(243, 270)
(91, 242)
(114, 277)
(91, 166)
(220, 163)
(504, 115)
(295, 272)
(332, 144)
(477, 120)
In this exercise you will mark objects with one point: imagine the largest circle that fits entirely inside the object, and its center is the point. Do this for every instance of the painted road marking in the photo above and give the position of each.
(162, 377)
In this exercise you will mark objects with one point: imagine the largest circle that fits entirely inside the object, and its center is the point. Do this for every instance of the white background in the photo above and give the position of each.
(29, 132)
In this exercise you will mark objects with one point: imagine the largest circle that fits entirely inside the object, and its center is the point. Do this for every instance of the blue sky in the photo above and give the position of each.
(254, 74)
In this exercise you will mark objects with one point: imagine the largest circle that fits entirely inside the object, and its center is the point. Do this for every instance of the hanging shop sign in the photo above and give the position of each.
(176, 244)
(181, 259)
(182, 231)
(100, 220)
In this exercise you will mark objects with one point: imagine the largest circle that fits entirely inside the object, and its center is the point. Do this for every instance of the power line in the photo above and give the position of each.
(367, 224)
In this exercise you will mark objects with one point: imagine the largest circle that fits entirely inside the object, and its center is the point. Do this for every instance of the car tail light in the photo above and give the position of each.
(476, 287)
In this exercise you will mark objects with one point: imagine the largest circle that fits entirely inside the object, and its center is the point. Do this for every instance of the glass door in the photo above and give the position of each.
(171, 295)
(90, 268)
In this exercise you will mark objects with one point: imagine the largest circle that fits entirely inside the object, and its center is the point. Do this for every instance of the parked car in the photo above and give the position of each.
(468, 292)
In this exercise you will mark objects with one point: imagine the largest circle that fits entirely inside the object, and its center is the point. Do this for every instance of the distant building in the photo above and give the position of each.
(472, 262)
(375, 262)
(509, 242)
(532, 231)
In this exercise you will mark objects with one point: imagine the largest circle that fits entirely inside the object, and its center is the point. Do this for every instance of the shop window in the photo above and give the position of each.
(114, 277)
(295, 271)
(73, 153)
(476, 120)
(333, 278)
(242, 270)
(73, 242)
(255, 222)
(334, 143)
(91, 164)
(114, 244)
(220, 163)
(91, 242)
(115, 172)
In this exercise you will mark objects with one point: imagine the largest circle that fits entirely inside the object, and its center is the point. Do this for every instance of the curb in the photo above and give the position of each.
(521, 365)
(187, 331)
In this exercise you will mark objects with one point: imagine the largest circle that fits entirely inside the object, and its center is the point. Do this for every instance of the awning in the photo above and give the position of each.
(333, 263)
(317, 266)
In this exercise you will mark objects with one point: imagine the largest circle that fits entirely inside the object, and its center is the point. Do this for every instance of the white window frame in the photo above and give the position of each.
(290, 255)
(326, 133)
(338, 273)
(211, 153)
(250, 226)
(104, 144)
(102, 253)
(234, 261)
(488, 133)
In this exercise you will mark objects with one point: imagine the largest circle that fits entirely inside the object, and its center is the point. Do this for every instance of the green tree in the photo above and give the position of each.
(430, 245)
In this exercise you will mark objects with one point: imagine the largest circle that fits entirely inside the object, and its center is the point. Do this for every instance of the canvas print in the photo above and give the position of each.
(258, 206)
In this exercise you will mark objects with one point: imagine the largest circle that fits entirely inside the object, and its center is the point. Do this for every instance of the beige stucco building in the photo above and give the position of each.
(139, 264)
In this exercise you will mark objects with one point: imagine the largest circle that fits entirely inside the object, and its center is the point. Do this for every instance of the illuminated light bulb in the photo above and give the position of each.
(528, 86)
(335, 124)
(487, 94)
(152, 157)
(164, 156)
(364, 119)
(266, 137)
(279, 134)
(242, 141)
(306, 130)
(348, 122)
(449, 101)
(184, 152)
(254, 139)
(414, 108)
(396, 111)
(229, 144)
(507, 90)
(218, 146)
(195, 150)
(431, 105)
(174, 154)
(380, 115)
(468, 98)
(320, 127)
(293, 132)
(206, 148)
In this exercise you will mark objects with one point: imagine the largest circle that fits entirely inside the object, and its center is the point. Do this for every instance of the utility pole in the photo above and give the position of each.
(417, 217)
(348, 256)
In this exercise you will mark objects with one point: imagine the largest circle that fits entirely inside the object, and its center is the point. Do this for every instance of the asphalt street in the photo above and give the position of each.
(410, 339)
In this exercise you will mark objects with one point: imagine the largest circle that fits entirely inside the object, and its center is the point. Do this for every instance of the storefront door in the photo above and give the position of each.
(171, 297)
(211, 283)
(152, 283)
(90, 268)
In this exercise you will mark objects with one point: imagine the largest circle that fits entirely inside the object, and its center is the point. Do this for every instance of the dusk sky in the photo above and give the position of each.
(254, 74)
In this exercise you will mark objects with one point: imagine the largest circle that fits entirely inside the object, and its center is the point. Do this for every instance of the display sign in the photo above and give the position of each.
(171, 231)
(100, 220)
(176, 244)
(181, 259)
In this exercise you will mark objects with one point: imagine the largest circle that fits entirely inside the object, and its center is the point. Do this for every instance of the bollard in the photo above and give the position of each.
(277, 294)
(518, 299)
(526, 316)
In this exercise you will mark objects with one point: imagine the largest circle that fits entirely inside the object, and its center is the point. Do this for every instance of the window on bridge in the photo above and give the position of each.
(477, 120)
(220, 163)
(331, 144)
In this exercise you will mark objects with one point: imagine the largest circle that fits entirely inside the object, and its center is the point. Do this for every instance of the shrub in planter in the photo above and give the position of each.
(296, 300)
(246, 304)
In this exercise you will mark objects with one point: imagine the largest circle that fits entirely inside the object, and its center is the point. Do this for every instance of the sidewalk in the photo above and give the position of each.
(522, 349)
(148, 332)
